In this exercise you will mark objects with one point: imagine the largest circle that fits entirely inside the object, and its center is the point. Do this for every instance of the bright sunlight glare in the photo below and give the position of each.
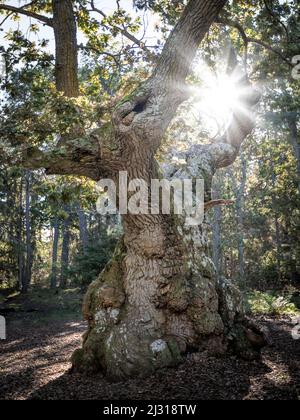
(216, 99)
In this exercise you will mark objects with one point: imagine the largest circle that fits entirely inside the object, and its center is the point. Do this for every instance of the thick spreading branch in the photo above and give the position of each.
(58, 162)
(28, 13)
(93, 156)
(183, 43)
(155, 103)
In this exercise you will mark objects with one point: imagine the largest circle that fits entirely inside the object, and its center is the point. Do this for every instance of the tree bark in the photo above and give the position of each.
(56, 232)
(28, 234)
(84, 237)
(277, 224)
(216, 231)
(66, 62)
(296, 145)
(65, 251)
(158, 299)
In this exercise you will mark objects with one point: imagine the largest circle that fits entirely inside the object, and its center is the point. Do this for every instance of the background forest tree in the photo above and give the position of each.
(51, 235)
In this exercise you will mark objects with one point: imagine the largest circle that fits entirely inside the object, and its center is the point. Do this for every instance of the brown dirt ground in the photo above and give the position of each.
(34, 364)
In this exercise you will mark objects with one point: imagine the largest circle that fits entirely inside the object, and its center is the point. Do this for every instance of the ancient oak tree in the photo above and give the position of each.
(159, 297)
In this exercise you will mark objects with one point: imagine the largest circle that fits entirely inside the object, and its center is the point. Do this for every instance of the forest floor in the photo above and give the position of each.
(35, 364)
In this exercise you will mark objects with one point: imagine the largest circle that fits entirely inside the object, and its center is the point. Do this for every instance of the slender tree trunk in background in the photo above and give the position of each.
(296, 145)
(65, 31)
(277, 224)
(53, 281)
(216, 230)
(65, 251)
(20, 238)
(289, 253)
(97, 232)
(240, 219)
(9, 210)
(239, 191)
(84, 236)
(9, 214)
(66, 75)
(28, 235)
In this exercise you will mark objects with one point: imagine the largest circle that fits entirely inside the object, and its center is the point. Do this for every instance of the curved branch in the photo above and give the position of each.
(9, 15)
(95, 50)
(247, 40)
(277, 19)
(28, 13)
(213, 203)
(226, 149)
(233, 24)
(93, 156)
(273, 50)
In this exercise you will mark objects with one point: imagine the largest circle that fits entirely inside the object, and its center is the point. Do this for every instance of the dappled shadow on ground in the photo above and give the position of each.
(283, 361)
(34, 364)
(35, 353)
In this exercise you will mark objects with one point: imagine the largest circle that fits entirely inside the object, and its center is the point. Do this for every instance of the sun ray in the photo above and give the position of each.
(218, 98)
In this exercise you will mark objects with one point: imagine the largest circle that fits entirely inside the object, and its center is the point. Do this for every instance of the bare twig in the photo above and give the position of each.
(125, 33)
(210, 204)
(6, 17)
(95, 50)
(277, 19)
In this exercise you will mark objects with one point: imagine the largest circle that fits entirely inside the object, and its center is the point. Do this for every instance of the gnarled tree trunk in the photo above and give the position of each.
(159, 297)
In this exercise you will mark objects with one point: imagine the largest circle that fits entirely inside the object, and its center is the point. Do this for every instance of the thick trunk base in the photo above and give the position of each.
(158, 300)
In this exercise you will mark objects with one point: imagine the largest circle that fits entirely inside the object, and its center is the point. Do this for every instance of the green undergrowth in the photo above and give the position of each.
(44, 305)
(273, 303)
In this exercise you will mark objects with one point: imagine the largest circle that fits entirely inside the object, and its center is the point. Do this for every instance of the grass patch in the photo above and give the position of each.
(40, 306)
(69, 300)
